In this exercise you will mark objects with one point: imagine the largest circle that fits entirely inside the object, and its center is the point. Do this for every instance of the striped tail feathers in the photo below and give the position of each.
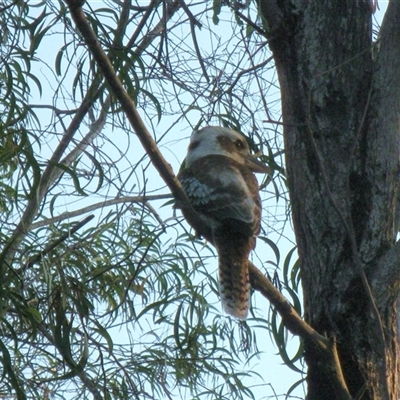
(233, 251)
(234, 288)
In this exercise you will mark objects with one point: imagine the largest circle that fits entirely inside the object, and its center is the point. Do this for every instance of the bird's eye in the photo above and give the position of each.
(239, 144)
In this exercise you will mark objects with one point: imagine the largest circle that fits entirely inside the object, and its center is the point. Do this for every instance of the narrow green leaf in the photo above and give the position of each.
(273, 246)
(216, 11)
(8, 369)
(155, 102)
(73, 175)
(103, 332)
(294, 386)
(249, 31)
(59, 57)
(176, 326)
(286, 265)
(99, 170)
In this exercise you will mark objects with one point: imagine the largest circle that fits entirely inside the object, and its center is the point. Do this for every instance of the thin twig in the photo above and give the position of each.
(56, 110)
(249, 70)
(251, 23)
(193, 22)
(101, 204)
(159, 29)
(8, 6)
(142, 23)
(263, 98)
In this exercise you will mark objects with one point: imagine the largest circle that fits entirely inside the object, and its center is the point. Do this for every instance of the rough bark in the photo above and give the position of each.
(341, 107)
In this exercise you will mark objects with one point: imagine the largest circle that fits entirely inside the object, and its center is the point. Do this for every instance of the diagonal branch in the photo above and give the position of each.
(100, 204)
(45, 181)
(132, 114)
(52, 173)
(170, 9)
(324, 348)
(193, 23)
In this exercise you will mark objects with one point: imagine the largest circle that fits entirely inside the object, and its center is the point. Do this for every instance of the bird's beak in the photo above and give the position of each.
(256, 166)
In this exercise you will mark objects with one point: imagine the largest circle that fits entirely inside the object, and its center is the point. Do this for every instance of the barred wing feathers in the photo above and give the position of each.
(224, 190)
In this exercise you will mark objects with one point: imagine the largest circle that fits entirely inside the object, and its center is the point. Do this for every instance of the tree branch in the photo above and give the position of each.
(5, 8)
(272, 16)
(133, 116)
(358, 262)
(193, 23)
(170, 10)
(324, 348)
(149, 9)
(33, 204)
(51, 173)
(101, 204)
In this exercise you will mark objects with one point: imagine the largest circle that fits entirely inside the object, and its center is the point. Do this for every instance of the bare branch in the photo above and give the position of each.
(322, 346)
(96, 206)
(122, 23)
(52, 173)
(153, 4)
(56, 110)
(171, 8)
(251, 23)
(8, 6)
(133, 116)
(193, 23)
(252, 69)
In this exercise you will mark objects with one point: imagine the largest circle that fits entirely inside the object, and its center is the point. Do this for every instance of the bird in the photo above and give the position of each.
(218, 178)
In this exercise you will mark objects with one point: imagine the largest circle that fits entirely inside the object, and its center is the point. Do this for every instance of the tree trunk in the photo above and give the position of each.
(341, 107)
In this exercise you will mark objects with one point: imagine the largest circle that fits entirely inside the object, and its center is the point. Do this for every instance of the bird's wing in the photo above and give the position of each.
(219, 188)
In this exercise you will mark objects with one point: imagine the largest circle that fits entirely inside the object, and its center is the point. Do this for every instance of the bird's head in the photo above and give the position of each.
(215, 140)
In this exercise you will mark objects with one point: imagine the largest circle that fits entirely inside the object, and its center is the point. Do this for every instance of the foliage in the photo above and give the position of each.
(104, 292)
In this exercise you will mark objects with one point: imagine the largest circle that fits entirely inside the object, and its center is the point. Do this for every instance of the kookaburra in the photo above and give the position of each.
(218, 177)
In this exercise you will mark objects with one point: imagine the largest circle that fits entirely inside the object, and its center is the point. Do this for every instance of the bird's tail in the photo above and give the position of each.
(234, 280)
